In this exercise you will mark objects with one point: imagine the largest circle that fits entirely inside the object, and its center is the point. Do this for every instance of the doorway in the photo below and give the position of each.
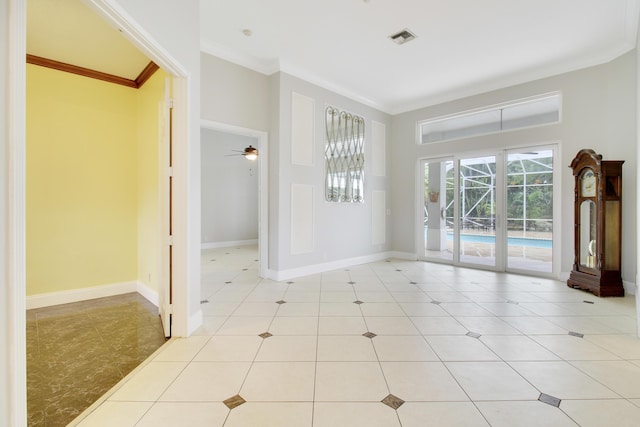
(493, 210)
(261, 169)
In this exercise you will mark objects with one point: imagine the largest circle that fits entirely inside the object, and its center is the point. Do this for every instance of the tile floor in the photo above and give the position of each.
(77, 352)
(391, 343)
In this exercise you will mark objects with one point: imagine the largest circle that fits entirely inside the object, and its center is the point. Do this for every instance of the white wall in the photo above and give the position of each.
(598, 112)
(175, 27)
(229, 188)
(341, 231)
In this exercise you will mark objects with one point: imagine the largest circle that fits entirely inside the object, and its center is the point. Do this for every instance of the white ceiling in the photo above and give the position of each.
(463, 47)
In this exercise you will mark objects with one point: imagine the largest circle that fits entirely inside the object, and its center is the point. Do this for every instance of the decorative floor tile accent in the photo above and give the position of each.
(413, 283)
(576, 334)
(392, 401)
(281, 302)
(358, 302)
(245, 269)
(265, 335)
(398, 270)
(436, 302)
(512, 302)
(204, 301)
(213, 260)
(234, 401)
(588, 302)
(473, 334)
(549, 400)
(290, 283)
(369, 335)
(352, 283)
(227, 282)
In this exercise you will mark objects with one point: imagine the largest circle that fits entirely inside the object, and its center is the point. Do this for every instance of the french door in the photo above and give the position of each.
(493, 210)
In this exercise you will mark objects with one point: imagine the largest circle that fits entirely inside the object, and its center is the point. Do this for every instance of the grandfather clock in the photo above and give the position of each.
(598, 225)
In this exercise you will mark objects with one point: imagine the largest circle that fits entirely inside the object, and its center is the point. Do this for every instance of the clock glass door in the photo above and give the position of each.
(587, 233)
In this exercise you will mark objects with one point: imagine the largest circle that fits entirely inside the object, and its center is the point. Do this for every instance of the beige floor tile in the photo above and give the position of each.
(517, 347)
(341, 325)
(505, 309)
(422, 381)
(245, 325)
(230, 349)
(294, 326)
(354, 414)
(121, 414)
(482, 296)
(345, 348)
(534, 325)
(210, 325)
(598, 413)
(302, 296)
(185, 414)
(450, 296)
(491, 381)
(375, 296)
(621, 324)
(460, 348)
(181, 349)
(403, 348)
(620, 376)
(400, 325)
(523, 414)
(279, 381)
(487, 325)
(349, 382)
(271, 414)
(465, 309)
(222, 308)
(207, 382)
(411, 297)
(149, 382)
(422, 309)
(288, 349)
(381, 309)
(299, 309)
(561, 380)
(449, 414)
(439, 326)
(340, 309)
(267, 308)
(547, 309)
(584, 325)
(573, 348)
(624, 346)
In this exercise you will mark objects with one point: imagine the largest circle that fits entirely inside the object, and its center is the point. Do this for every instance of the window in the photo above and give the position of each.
(344, 156)
(536, 111)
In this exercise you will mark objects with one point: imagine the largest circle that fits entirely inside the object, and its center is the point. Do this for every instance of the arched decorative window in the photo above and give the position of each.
(344, 156)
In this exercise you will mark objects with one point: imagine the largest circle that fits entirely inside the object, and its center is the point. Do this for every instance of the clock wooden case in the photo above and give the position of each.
(598, 225)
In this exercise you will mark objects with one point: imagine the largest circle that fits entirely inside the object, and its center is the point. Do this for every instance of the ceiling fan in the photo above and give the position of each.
(250, 153)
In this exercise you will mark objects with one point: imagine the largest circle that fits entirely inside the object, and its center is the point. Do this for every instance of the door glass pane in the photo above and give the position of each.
(438, 210)
(477, 218)
(530, 210)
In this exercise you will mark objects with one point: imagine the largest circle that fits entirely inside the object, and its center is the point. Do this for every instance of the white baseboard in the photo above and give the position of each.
(150, 294)
(195, 321)
(280, 275)
(403, 255)
(216, 245)
(84, 294)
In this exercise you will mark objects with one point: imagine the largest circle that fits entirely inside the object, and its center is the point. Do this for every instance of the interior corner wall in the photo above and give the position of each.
(81, 182)
(149, 100)
(598, 112)
(341, 231)
(229, 189)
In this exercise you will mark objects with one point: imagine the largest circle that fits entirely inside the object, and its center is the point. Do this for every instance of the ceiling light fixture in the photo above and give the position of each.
(247, 32)
(250, 153)
(402, 37)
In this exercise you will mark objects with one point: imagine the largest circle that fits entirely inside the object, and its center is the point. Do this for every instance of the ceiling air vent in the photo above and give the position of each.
(402, 37)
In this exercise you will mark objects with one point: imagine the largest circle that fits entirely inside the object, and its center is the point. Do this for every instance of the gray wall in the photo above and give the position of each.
(229, 188)
(598, 112)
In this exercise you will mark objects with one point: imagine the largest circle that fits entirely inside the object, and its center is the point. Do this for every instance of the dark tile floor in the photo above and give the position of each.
(77, 352)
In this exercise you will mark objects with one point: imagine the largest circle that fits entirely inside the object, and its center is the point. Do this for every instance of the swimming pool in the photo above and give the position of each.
(512, 241)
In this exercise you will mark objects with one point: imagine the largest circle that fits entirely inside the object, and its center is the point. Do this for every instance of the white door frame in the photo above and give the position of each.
(16, 212)
(263, 186)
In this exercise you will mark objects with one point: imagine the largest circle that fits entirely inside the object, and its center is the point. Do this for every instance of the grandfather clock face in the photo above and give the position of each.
(588, 187)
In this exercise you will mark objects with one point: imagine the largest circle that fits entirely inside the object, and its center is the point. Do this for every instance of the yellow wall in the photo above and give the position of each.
(87, 188)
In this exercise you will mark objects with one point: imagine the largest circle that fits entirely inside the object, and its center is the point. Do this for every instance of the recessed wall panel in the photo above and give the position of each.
(301, 219)
(379, 142)
(378, 213)
(302, 129)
